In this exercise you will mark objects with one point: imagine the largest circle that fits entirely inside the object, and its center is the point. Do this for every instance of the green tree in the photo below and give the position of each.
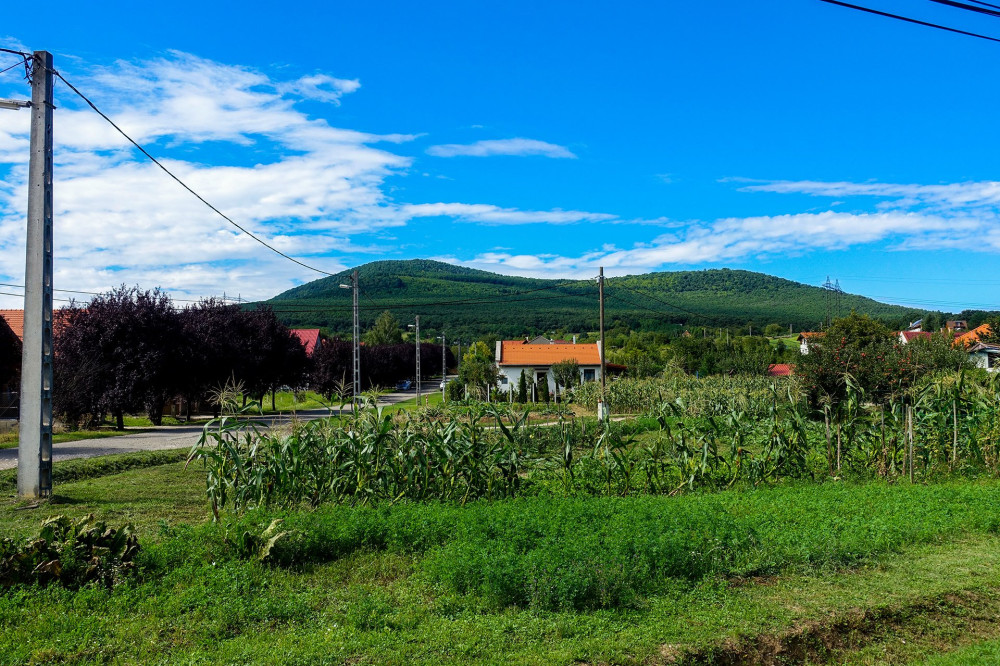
(543, 388)
(566, 373)
(774, 330)
(385, 331)
(522, 388)
(860, 348)
(478, 369)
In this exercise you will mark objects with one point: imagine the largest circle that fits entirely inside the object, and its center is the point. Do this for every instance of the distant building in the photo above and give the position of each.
(806, 338)
(969, 338)
(915, 325)
(536, 360)
(310, 338)
(906, 336)
(957, 326)
(985, 356)
(780, 370)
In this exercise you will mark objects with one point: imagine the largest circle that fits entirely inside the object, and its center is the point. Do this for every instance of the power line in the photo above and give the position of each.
(7, 293)
(909, 20)
(971, 8)
(99, 293)
(985, 4)
(184, 185)
(671, 305)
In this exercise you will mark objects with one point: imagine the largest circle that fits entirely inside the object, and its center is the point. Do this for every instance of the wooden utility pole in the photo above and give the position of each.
(602, 407)
(34, 449)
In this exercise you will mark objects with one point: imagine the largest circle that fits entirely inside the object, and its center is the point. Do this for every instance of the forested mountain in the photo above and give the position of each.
(467, 303)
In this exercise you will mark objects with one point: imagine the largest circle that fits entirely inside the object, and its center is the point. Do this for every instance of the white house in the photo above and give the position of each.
(536, 359)
(985, 356)
(807, 338)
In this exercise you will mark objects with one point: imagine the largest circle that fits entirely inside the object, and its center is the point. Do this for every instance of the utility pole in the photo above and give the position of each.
(356, 337)
(444, 367)
(34, 449)
(602, 407)
(417, 333)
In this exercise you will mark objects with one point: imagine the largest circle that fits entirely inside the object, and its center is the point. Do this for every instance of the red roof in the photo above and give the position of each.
(309, 337)
(516, 352)
(15, 319)
(909, 335)
(779, 370)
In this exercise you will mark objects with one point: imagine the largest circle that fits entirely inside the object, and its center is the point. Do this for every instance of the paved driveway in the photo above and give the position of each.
(166, 437)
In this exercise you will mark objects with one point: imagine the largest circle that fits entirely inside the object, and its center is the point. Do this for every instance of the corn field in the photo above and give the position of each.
(766, 434)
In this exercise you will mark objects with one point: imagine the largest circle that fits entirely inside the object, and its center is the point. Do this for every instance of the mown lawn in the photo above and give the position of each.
(423, 584)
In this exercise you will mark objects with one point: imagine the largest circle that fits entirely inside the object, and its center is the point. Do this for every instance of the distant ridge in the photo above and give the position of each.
(468, 302)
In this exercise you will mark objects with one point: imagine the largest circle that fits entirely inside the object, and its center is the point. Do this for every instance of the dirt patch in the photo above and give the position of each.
(942, 623)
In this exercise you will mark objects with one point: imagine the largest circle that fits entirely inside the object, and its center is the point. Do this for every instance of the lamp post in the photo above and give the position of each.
(356, 370)
(416, 328)
(444, 366)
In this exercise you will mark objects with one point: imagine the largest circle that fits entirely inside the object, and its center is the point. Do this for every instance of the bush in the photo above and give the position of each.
(71, 553)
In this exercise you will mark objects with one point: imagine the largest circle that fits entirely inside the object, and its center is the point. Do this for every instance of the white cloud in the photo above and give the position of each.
(739, 239)
(494, 215)
(949, 195)
(488, 148)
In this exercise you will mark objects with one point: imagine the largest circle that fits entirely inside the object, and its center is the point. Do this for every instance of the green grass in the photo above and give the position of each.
(987, 652)
(10, 440)
(380, 585)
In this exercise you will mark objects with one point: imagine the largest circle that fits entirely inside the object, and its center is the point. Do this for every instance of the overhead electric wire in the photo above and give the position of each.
(61, 300)
(671, 305)
(967, 7)
(985, 4)
(910, 20)
(185, 185)
(100, 293)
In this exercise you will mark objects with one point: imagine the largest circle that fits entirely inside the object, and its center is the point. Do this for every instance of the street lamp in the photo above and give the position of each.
(416, 328)
(14, 104)
(444, 366)
(356, 337)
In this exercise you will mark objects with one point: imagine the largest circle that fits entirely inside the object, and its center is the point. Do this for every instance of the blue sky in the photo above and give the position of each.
(785, 136)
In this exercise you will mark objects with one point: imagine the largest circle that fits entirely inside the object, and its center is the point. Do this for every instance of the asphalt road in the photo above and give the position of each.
(167, 437)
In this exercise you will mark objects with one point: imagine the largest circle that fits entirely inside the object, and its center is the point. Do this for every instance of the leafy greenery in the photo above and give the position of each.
(472, 303)
(386, 331)
(72, 553)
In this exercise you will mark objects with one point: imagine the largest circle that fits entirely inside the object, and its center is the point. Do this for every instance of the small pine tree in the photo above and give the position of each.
(543, 389)
(522, 388)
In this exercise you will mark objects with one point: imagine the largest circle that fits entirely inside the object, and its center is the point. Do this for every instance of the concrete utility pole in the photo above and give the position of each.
(34, 449)
(602, 406)
(356, 365)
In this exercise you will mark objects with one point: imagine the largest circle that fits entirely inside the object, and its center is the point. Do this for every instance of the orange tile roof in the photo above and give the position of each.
(516, 352)
(15, 319)
(811, 334)
(969, 337)
(780, 370)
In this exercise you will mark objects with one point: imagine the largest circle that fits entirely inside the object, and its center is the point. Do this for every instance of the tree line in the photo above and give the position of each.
(131, 351)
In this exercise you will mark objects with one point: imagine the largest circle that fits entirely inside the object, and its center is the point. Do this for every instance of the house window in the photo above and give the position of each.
(589, 374)
(503, 380)
(539, 377)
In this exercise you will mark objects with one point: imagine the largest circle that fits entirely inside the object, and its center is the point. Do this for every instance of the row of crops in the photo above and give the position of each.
(723, 433)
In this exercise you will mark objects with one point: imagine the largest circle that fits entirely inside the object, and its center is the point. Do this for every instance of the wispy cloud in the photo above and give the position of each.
(949, 195)
(487, 214)
(761, 237)
(488, 148)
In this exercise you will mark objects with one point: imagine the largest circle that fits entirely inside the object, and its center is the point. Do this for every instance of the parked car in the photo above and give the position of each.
(404, 385)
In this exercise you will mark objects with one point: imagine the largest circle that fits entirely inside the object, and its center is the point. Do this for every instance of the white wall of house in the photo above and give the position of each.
(510, 375)
(982, 360)
(804, 347)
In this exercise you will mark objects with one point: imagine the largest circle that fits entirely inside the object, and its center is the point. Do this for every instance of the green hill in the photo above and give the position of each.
(466, 302)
